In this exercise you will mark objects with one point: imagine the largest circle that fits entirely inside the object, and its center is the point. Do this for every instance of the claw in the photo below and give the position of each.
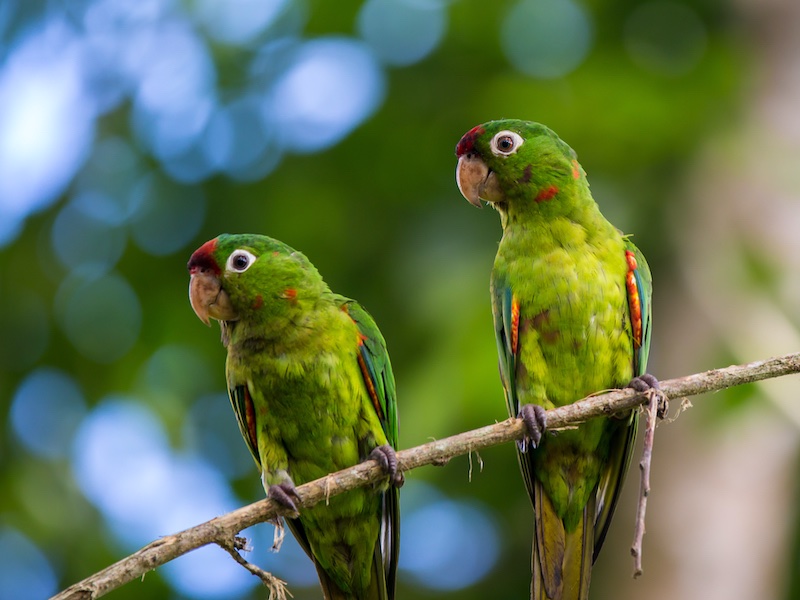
(387, 459)
(648, 382)
(535, 419)
(643, 383)
(283, 493)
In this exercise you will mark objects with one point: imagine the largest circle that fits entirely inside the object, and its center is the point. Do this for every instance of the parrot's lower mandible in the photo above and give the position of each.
(571, 303)
(312, 388)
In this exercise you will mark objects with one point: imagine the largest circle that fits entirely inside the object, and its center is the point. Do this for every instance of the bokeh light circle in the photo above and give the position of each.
(25, 571)
(331, 86)
(80, 239)
(239, 142)
(210, 430)
(45, 412)
(546, 38)
(237, 22)
(385, 26)
(106, 183)
(208, 573)
(169, 216)
(175, 90)
(446, 544)
(44, 110)
(101, 316)
(125, 465)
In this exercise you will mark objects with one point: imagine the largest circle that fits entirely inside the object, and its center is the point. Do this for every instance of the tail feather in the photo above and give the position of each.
(548, 547)
(376, 590)
(579, 556)
(330, 591)
(561, 561)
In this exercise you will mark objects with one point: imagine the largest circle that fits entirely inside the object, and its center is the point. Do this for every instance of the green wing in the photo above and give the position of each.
(505, 332)
(610, 485)
(242, 404)
(379, 379)
(376, 367)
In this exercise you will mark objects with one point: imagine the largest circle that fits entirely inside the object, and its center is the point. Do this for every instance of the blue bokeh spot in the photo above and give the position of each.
(45, 412)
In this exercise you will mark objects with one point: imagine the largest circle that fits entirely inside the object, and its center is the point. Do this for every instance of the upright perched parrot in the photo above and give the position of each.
(571, 304)
(312, 388)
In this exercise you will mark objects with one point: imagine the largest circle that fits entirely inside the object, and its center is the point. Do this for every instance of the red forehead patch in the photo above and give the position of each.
(467, 142)
(203, 258)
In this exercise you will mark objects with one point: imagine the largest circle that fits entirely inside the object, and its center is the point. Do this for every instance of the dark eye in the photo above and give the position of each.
(506, 143)
(240, 260)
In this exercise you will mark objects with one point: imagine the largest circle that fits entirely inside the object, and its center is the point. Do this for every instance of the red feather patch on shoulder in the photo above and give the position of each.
(546, 194)
(576, 169)
(467, 142)
(634, 301)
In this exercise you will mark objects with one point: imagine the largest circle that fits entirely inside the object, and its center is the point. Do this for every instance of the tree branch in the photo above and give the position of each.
(222, 530)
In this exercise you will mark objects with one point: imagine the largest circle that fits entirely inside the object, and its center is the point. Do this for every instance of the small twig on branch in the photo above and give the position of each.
(652, 412)
(225, 527)
(277, 587)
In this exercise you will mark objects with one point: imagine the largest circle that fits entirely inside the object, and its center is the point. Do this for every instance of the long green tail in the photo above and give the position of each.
(561, 561)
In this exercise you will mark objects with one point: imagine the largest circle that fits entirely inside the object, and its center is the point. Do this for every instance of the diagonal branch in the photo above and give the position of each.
(222, 530)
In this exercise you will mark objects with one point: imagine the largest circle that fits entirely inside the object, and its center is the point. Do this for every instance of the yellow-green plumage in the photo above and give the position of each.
(313, 392)
(565, 327)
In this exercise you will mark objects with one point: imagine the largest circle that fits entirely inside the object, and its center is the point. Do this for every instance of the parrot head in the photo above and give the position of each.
(247, 277)
(512, 162)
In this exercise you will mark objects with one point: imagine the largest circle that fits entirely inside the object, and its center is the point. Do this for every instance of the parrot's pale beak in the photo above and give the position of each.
(209, 300)
(476, 181)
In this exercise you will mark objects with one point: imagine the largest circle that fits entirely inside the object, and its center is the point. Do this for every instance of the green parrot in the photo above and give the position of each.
(311, 385)
(571, 304)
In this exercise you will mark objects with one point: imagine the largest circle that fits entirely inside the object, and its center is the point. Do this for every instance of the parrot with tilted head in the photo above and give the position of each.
(312, 388)
(571, 303)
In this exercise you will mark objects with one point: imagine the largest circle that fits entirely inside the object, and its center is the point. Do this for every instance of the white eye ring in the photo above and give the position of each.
(240, 260)
(506, 143)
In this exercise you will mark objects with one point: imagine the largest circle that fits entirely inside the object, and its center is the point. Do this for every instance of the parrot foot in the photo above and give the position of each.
(283, 493)
(643, 383)
(648, 383)
(387, 459)
(535, 419)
